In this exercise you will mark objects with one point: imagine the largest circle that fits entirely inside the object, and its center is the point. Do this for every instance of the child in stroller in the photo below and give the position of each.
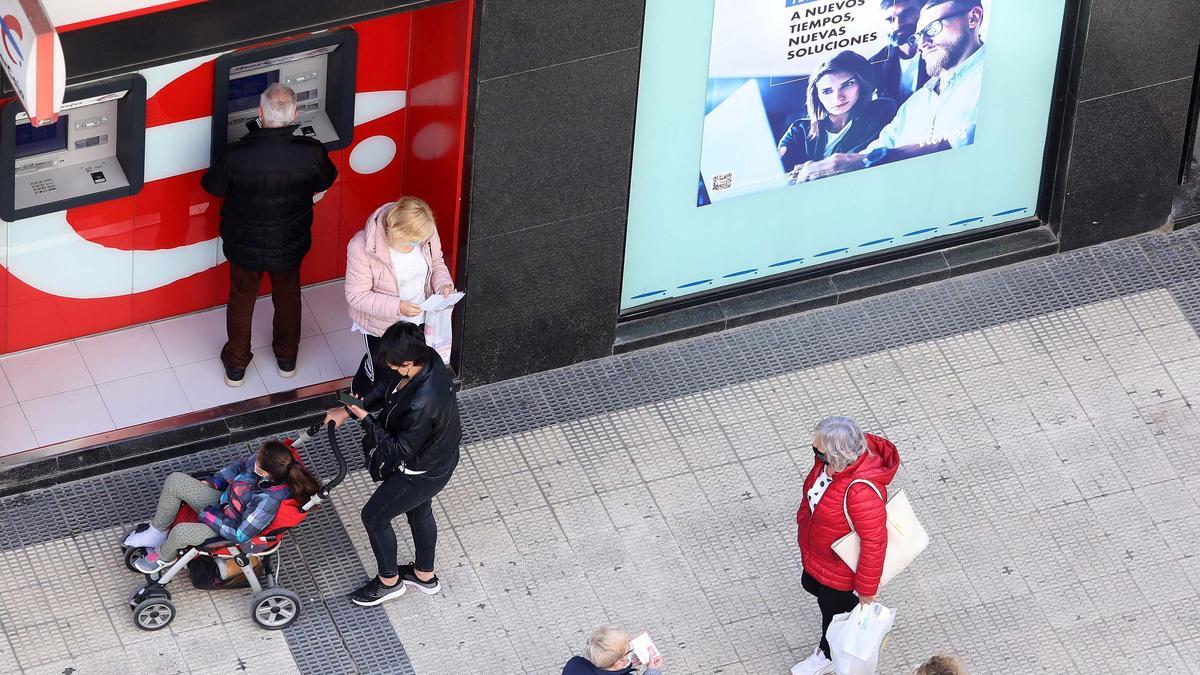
(239, 513)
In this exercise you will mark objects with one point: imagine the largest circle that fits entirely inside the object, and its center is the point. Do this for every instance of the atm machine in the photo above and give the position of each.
(93, 153)
(320, 68)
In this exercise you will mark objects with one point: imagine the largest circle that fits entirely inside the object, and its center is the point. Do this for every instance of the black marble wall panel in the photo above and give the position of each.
(1126, 118)
(1135, 44)
(520, 35)
(1125, 159)
(553, 139)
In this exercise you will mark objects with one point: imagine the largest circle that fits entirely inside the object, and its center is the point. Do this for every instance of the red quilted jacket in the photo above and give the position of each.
(816, 532)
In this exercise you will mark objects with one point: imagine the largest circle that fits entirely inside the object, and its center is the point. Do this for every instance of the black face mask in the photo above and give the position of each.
(820, 456)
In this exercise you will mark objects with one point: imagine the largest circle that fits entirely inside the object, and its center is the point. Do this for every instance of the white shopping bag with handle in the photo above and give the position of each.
(438, 332)
(856, 637)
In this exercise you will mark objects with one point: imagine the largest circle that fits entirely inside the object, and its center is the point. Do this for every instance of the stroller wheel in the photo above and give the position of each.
(153, 613)
(275, 608)
(132, 555)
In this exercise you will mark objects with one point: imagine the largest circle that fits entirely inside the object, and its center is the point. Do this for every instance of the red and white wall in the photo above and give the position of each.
(157, 254)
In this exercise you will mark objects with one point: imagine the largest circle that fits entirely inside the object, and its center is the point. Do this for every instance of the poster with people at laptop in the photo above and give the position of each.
(801, 90)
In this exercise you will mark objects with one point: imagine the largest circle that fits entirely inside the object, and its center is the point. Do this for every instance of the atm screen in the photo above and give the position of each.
(245, 91)
(31, 140)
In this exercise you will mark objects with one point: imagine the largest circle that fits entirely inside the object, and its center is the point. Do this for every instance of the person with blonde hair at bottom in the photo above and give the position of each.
(941, 665)
(608, 651)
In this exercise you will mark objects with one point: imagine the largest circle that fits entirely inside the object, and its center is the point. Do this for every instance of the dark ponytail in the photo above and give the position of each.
(276, 459)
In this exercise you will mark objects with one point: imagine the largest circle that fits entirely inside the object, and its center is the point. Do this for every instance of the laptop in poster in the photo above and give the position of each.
(739, 154)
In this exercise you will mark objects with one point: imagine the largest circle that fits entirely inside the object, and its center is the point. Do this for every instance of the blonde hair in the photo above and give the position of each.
(606, 646)
(941, 665)
(409, 220)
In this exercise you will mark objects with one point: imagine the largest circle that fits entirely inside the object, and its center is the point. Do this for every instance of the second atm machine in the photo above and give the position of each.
(319, 68)
(93, 153)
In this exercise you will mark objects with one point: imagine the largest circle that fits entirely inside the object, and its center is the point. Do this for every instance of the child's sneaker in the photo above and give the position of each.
(145, 536)
(152, 562)
(408, 574)
(816, 664)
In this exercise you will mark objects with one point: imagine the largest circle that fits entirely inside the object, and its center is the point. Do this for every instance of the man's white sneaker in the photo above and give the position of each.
(145, 536)
(816, 664)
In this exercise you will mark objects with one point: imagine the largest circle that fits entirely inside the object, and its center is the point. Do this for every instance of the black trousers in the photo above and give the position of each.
(410, 495)
(365, 377)
(831, 601)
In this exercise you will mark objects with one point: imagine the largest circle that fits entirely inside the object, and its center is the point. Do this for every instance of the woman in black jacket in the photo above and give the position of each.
(844, 114)
(411, 437)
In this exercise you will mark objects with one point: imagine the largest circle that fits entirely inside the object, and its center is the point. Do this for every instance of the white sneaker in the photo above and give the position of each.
(145, 538)
(816, 664)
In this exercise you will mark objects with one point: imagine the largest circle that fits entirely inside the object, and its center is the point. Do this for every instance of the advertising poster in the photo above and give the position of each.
(778, 137)
(802, 90)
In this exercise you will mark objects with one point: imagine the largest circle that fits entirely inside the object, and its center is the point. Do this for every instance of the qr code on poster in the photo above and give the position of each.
(722, 181)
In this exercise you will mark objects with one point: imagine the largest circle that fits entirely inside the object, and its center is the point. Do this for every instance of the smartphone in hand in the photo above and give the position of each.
(347, 399)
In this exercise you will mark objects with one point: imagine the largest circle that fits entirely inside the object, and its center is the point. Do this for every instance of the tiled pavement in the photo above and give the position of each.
(160, 370)
(1044, 412)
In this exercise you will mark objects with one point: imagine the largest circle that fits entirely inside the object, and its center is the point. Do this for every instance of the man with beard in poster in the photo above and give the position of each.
(940, 115)
(898, 67)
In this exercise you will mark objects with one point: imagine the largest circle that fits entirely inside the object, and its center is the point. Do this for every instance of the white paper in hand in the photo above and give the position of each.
(643, 648)
(436, 303)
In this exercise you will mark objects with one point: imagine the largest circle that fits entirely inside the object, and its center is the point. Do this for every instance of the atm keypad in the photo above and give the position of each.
(42, 186)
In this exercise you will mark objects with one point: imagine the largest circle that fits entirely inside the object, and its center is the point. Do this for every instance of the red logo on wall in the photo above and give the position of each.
(12, 39)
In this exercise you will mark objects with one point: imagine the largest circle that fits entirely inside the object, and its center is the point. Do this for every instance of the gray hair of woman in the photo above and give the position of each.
(841, 441)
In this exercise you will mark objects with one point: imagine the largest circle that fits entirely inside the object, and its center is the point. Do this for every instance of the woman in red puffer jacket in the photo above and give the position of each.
(843, 454)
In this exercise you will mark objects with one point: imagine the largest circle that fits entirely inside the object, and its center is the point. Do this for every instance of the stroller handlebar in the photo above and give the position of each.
(331, 431)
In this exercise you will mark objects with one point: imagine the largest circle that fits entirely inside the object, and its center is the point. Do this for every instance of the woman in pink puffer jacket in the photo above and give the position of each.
(392, 265)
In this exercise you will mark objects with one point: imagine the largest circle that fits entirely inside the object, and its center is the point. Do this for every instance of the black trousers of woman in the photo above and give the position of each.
(365, 377)
(410, 495)
(831, 601)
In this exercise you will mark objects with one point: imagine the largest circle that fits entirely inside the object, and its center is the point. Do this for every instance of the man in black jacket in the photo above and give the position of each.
(411, 435)
(898, 68)
(268, 180)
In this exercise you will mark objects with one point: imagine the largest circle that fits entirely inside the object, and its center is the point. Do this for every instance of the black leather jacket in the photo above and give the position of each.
(268, 180)
(416, 426)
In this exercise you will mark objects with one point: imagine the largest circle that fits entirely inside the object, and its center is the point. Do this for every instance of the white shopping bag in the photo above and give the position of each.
(438, 332)
(856, 637)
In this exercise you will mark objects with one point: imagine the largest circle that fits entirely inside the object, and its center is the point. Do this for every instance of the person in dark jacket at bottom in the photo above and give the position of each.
(608, 652)
(268, 180)
(411, 435)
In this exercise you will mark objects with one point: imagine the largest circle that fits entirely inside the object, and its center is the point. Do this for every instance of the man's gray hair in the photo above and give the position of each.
(841, 440)
(278, 104)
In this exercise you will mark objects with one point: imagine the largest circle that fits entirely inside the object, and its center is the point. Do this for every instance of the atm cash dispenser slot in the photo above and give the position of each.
(93, 153)
(319, 68)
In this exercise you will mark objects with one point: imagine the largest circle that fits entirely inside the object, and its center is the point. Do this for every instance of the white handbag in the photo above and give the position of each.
(906, 536)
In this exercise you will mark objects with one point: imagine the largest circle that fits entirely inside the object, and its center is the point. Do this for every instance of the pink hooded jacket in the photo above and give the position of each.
(371, 289)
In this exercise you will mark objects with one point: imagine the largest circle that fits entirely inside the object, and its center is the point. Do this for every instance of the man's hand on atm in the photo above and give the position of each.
(409, 309)
(446, 290)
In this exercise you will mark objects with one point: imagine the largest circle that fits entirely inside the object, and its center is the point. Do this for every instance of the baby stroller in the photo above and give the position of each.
(218, 563)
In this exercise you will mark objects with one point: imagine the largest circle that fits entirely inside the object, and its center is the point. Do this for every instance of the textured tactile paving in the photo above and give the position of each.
(656, 490)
